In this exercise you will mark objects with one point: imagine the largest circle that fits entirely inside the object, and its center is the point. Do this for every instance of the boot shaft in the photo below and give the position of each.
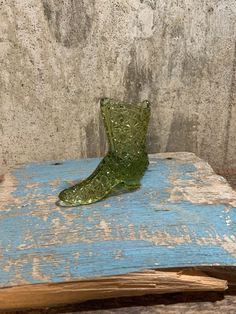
(126, 126)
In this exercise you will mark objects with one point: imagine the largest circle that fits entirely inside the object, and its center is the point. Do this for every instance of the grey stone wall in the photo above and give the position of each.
(59, 57)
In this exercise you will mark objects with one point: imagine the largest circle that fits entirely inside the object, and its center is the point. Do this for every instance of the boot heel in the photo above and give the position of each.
(132, 185)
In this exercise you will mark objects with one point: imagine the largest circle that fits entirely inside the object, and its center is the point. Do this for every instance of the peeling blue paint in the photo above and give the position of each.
(121, 234)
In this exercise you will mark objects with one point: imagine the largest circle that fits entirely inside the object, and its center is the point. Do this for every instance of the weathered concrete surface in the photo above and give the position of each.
(58, 57)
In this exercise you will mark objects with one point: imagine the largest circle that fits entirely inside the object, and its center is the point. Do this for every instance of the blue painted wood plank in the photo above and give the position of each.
(183, 215)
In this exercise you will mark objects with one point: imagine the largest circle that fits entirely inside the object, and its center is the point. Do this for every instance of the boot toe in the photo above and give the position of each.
(67, 198)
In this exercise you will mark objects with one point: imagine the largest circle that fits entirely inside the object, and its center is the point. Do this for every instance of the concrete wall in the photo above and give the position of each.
(58, 57)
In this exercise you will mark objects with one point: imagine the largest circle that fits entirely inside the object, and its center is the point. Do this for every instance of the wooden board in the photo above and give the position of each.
(134, 284)
(184, 215)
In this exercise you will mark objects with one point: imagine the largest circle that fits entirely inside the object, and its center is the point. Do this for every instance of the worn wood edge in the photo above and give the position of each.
(222, 272)
(132, 284)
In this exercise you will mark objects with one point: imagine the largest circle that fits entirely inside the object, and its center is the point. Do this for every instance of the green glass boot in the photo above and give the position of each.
(126, 161)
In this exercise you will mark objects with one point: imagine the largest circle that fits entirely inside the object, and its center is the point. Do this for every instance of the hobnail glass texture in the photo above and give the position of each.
(125, 163)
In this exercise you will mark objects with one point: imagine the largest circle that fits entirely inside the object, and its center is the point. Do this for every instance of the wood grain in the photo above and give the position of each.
(183, 215)
(135, 284)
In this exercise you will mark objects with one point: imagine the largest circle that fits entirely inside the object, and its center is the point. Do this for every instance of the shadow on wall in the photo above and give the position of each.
(70, 21)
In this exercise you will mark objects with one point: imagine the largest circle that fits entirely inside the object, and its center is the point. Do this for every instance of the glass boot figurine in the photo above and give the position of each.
(125, 163)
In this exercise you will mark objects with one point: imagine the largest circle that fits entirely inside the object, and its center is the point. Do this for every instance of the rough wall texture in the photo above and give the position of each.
(58, 57)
